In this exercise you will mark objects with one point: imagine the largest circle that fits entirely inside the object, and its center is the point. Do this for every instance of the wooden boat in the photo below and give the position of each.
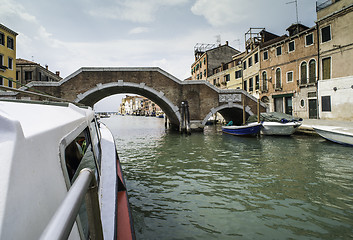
(278, 128)
(274, 123)
(250, 129)
(60, 176)
(339, 135)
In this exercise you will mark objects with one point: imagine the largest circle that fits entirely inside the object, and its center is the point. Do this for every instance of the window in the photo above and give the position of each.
(302, 103)
(245, 86)
(256, 58)
(204, 73)
(291, 46)
(1, 81)
(278, 78)
(227, 78)
(10, 42)
(28, 75)
(303, 73)
(326, 103)
(289, 76)
(250, 61)
(238, 74)
(265, 55)
(251, 86)
(1, 60)
(10, 63)
(244, 65)
(10, 83)
(264, 81)
(257, 82)
(326, 34)
(326, 68)
(204, 61)
(309, 39)
(279, 51)
(214, 81)
(2, 39)
(312, 71)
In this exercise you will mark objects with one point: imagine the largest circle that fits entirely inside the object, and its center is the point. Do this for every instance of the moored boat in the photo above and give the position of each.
(60, 175)
(250, 129)
(274, 123)
(278, 128)
(335, 134)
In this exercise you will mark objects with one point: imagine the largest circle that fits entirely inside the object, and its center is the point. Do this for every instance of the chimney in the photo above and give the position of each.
(226, 43)
(46, 67)
(57, 73)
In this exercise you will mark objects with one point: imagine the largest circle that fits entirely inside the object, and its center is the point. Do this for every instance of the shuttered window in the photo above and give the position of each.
(303, 73)
(326, 68)
(312, 71)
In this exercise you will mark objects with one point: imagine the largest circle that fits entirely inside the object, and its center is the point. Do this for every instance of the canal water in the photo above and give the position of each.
(214, 186)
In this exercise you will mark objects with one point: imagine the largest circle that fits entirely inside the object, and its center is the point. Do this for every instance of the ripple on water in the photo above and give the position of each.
(214, 186)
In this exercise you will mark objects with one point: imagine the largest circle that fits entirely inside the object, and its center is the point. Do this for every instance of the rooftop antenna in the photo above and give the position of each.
(218, 39)
(296, 10)
(237, 40)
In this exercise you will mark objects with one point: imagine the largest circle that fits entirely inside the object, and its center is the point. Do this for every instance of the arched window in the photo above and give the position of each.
(303, 73)
(312, 71)
(264, 81)
(278, 78)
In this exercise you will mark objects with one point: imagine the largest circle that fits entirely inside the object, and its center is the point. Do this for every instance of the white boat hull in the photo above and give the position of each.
(336, 134)
(277, 128)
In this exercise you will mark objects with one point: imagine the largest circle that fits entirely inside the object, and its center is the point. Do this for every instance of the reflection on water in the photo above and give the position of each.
(214, 186)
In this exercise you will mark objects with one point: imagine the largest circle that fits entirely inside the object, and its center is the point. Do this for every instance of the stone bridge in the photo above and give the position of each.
(89, 85)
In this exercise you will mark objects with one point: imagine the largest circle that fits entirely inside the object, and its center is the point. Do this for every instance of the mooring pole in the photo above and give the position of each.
(244, 119)
(187, 118)
(258, 110)
(182, 123)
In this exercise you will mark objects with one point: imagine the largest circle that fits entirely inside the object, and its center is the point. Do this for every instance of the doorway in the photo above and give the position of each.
(312, 109)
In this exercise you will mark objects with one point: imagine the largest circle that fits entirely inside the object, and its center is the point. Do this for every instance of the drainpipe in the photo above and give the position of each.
(318, 71)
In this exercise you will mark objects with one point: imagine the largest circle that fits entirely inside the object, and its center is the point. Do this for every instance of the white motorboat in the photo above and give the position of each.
(335, 134)
(278, 128)
(60, 176)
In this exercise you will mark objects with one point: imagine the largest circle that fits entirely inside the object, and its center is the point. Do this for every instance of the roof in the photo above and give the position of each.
(25, 62)
(8, 29)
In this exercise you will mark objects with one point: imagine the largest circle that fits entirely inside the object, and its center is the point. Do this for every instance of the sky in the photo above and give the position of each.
(69, 34)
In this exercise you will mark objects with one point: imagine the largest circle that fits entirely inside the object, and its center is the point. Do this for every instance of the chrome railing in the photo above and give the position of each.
(64, 218)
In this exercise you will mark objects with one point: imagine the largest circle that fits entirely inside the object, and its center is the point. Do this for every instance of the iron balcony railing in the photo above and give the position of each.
(64, 218)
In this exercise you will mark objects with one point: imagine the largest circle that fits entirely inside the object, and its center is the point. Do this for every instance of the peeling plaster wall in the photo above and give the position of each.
(341, 99)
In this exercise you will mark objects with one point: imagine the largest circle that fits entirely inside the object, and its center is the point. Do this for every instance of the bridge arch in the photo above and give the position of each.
(100, 91)
(229, 106)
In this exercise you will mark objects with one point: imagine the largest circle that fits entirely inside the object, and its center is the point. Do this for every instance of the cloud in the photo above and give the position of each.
(219, 13)
(138, 30)
(10, 8)
(140, 11)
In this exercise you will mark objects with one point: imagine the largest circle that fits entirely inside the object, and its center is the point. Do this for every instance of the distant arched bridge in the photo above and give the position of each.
(89, 85)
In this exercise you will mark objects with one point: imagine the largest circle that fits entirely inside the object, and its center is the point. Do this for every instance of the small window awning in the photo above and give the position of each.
(283, 95)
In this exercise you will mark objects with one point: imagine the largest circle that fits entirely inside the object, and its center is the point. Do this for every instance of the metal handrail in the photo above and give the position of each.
(64, 218)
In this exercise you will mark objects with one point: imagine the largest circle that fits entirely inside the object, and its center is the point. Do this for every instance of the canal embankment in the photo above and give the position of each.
(307, 125)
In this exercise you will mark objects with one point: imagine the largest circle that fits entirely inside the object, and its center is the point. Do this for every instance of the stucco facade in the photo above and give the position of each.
(205, 62)
(28, 71)
(7, 56)
(335, 88)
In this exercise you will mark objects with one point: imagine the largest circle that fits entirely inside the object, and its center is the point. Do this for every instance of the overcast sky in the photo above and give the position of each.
(69, 34)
